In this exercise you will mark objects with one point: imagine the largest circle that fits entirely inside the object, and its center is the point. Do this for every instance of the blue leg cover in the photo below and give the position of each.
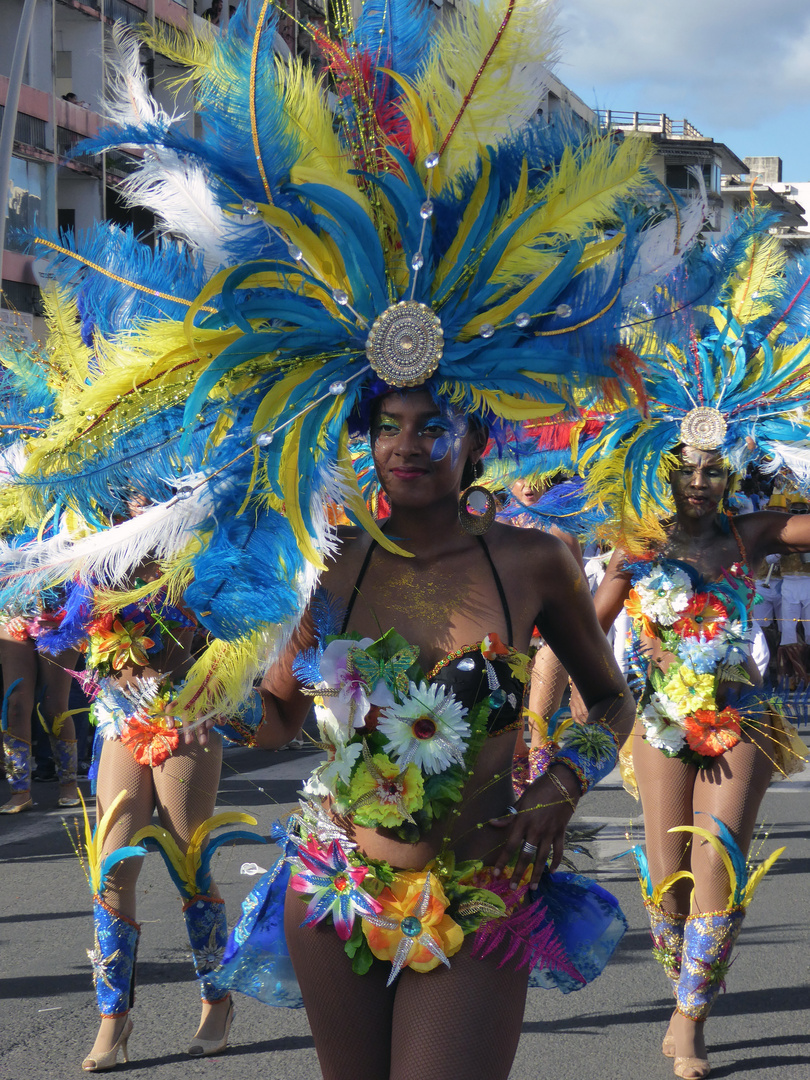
(667, 933)
(113, 959)
(707, 944)
(64, 755)
(18, 762)
(208, 933)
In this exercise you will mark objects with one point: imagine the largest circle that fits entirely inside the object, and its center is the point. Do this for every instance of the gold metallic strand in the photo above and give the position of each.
(254, 56)
(579, 325)
(120, 280)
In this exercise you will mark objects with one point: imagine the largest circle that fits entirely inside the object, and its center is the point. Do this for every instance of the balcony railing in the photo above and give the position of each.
(656, 123)
(29, 130)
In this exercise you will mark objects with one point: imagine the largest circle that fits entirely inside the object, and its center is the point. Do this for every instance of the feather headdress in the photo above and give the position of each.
(429, 231)
(725, 371)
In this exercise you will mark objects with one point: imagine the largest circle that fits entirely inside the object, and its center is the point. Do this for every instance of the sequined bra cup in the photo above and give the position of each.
(472, 678)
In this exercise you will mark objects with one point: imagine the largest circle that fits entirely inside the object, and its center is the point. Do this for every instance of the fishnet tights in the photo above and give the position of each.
(444, 1024)
(45, 682)
(674, 793)
(549, 680)
(183, 790)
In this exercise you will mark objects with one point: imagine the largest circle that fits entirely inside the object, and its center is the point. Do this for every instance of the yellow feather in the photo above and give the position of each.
(170, 846)
(192, 52)
(68, 357)
(501, 97)
(506, 406)
(309, 118)
(96, 838)
(272, 404)
(750, 285)
(227, 817)
(289, 476)
(222, 676)
(588, 185)
(758, 874)
(666, 884)
(88, 845)
(718, 846)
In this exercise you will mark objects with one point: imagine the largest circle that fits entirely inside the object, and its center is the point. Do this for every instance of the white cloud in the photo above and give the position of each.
(723, 64)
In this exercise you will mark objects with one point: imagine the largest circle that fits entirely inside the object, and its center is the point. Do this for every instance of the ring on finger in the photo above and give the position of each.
(530, 849)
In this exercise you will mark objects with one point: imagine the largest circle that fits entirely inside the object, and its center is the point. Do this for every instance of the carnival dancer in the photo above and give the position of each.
(534, 482)
(443, 237)
(418, 849)
(136, 660)
(37, 686)
(720, 391)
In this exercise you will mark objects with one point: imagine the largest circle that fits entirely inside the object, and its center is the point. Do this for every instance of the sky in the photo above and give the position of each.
(738, 70)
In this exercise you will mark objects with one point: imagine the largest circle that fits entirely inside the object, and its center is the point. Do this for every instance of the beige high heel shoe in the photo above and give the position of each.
(692, 1068)
(108, 1060)
(206, 1047)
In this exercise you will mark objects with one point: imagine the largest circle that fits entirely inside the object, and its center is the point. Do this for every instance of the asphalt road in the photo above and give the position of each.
(611, 1030)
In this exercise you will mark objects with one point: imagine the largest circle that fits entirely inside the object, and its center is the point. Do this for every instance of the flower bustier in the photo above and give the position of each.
(705, 627)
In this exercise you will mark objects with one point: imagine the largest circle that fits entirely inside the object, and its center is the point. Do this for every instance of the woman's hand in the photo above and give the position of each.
(198, 731)
(536, 830)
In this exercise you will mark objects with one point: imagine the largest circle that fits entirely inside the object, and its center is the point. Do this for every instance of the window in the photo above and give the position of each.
(680, 179)
(27, 201)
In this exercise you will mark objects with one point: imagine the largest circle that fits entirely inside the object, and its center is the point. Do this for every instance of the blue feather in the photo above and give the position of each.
(736, 856)
(109, 862)
(6, 699)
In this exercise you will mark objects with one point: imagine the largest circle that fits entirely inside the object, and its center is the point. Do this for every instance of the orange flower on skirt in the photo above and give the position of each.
(150, 742)
(703, 615)
(632, 606)
(711, 733)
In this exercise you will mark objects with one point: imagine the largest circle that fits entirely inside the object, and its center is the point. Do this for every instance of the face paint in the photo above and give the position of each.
(455, 427)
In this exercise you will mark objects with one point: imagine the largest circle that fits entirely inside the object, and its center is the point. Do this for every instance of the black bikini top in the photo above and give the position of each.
(467, 672)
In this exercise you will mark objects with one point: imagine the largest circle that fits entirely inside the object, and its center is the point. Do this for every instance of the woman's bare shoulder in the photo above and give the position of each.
(531, 556)
(344, 564)
(512, 540)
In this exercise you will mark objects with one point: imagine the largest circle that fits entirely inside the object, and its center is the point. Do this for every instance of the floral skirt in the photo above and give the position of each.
(565, 932)
(752, 711)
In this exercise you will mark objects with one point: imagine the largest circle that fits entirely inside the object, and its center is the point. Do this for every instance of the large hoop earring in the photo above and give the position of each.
(471, 498)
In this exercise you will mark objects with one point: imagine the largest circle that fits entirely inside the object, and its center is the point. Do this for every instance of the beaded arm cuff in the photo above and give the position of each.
(590, 751)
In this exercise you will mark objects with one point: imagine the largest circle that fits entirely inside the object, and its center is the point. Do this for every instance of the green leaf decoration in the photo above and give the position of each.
(734, 673)
(357, 948)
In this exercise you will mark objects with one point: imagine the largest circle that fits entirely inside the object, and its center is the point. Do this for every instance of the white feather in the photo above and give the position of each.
(12, 462)
(177, 191)
(662, 245)
(794, 457)
(127, 97)
(112, 557)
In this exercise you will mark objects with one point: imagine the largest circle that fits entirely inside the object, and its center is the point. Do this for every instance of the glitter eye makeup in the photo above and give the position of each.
(386, 427)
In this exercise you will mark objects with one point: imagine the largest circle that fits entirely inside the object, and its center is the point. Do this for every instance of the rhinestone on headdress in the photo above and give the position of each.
(405, 344)
(704, 428)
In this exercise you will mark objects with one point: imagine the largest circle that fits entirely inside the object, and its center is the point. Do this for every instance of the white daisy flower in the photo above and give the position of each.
(664, 594)
(428, 728)
(663, 725)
